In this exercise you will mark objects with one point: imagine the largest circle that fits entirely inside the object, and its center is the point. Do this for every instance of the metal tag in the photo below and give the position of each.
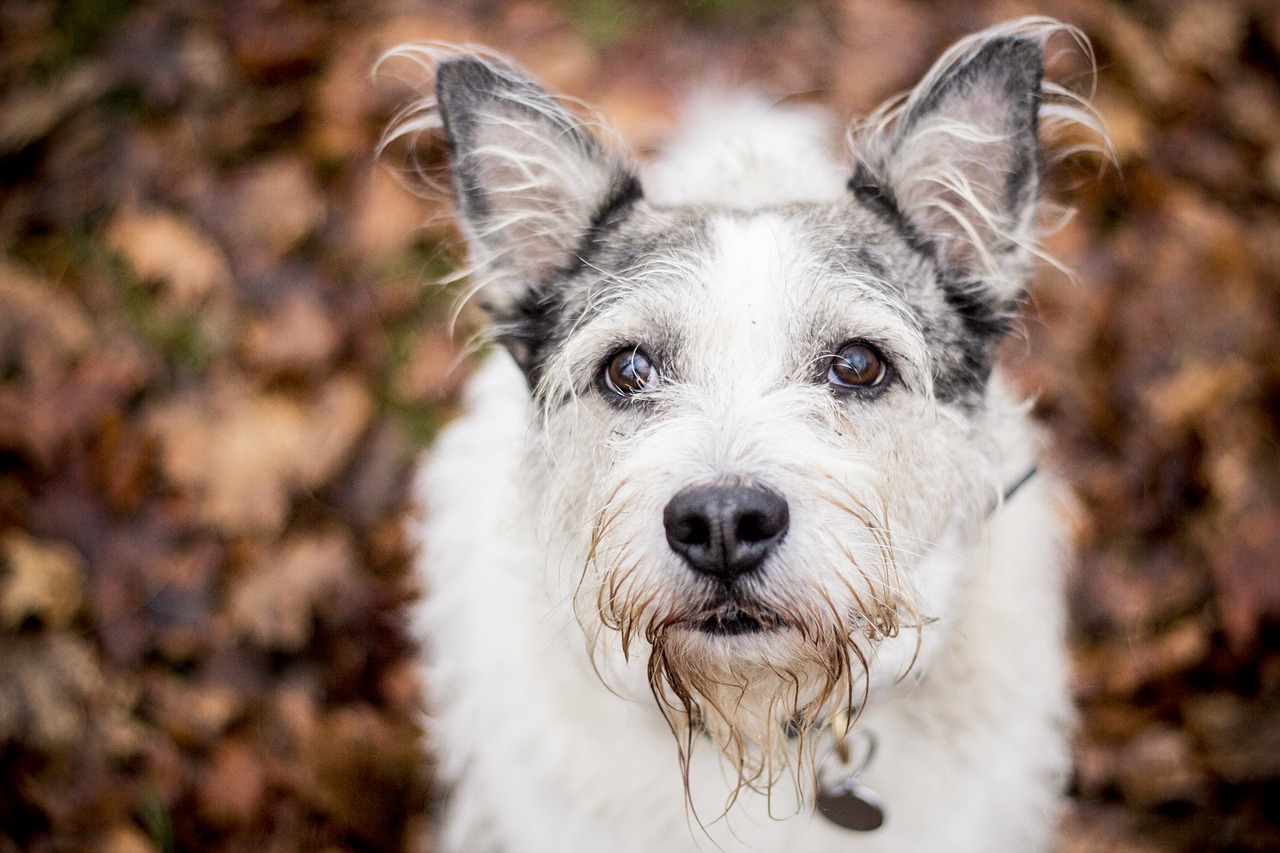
(842, 799)
(852, 806)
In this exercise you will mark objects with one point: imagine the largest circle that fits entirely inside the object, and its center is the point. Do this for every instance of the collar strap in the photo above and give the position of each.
(1022, 481)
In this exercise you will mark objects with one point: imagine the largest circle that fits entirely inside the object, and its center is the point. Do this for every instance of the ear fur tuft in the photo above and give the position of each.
(530, 179)
(958, 162)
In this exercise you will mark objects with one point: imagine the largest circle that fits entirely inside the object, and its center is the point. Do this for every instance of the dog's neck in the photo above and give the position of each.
(841, 797)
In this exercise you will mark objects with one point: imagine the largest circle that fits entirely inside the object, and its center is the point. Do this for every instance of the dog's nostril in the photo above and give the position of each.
(725, 531)
(758, 527)
(688, 526)
(698, 532)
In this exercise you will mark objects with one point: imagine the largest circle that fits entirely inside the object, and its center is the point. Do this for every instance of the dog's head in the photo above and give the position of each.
(762, 433)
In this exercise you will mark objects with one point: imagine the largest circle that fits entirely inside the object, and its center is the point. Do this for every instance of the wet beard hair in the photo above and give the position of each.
(756, 683)
(762, 718)
(755, 675)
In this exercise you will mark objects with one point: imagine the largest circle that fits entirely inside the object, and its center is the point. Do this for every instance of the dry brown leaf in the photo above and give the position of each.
(231, 790)
(1271, 171)
(1159, 767)
(1127, 125)
(1191, 395)
(1112, 596)
(194, 715)
(242, 454)
(39, 580)
(356, 750)
(42, 420)
(1139, 52)
(275, 205)
(346, 102)
(277, 37)
(892, 41)
(168, 250)
(30, 111)
(1242, 546)
(298, 336)
(127, 839)
(234, 454)
(40, 328)
(387, 217)
(273, 605)
(1240, 738)
(48, 684)
(1119, 668)
(332, 425)
(433, 371)
(1095, 827)
(1253, 105)
(1206, 35)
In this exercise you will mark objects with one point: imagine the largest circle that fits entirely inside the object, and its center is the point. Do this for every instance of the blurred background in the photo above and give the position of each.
(220, 355)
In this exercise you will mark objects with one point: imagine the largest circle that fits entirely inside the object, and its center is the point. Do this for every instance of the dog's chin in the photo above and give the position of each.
(731, 620)
(731, 616)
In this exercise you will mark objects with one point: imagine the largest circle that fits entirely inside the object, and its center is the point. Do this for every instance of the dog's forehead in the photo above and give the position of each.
(779, 285)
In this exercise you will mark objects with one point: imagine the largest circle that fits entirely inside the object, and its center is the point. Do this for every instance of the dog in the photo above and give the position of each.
(742, 543)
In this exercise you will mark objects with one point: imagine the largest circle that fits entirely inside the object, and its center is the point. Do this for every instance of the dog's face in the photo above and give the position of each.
(760, 433)
(750, 440)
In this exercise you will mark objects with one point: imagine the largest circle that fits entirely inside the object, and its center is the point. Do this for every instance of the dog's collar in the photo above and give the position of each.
(1022, 481)
(842, 798)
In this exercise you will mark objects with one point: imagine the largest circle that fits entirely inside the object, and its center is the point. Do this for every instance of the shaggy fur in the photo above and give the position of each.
(590, 688)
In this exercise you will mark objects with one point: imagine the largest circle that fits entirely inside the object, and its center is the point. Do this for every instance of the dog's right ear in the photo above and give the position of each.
(531, 182)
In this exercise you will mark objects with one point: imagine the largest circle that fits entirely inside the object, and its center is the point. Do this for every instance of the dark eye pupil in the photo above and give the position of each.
(857, 366)
(630, 372)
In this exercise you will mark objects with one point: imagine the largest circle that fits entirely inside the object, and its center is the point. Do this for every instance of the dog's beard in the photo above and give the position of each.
(755, 671)
(756, 694)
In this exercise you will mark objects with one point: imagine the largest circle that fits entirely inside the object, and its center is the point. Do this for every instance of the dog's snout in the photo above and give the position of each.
(725, 531)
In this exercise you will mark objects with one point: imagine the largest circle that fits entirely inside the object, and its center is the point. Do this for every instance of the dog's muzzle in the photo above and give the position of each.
(725, 531)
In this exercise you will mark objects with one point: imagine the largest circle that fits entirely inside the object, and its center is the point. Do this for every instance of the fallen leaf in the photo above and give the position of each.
(194, 715)
(297, 337)
(163, 248)
(274, 205)
(230, 791)
(48, 684)
(29, 112)
(1240, 738)
(127, 839)
(387, 217)
(1159, 767)
(356, 750)
(242, 454)
(40, 581)
(274, 603)
(42, 331)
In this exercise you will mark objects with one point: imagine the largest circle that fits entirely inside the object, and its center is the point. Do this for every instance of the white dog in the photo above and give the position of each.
(737, 545)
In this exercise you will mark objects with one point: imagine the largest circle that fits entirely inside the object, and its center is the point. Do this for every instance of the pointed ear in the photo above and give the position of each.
(530, 181)
(959, 164)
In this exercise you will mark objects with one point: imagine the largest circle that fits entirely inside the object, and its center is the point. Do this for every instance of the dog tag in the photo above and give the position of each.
(852, 806)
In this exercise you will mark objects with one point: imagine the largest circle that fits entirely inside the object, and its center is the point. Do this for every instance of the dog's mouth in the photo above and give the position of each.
(731, 620)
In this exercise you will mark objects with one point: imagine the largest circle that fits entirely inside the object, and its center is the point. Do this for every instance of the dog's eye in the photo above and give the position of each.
(857, 365)
(630, 372)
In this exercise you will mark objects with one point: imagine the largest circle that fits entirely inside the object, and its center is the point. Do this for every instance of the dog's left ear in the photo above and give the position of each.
(529, 179)
(960, 165)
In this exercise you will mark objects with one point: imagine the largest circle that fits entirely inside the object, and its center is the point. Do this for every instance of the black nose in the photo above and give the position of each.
(725, 531)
